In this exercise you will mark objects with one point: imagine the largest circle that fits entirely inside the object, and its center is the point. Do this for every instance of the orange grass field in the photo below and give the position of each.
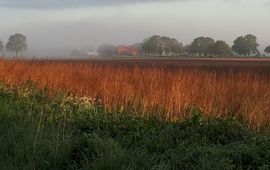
(220, 88)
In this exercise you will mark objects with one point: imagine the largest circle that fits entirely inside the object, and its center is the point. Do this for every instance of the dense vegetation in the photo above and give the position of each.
(220, 88)
(163, 46)
(160, 46)
(44, 131)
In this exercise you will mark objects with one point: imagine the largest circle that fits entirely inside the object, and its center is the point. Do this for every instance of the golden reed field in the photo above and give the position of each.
(220, 88)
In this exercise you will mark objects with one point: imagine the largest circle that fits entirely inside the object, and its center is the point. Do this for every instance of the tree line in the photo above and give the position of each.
(157, 45)
(16, 43)
(202, 46)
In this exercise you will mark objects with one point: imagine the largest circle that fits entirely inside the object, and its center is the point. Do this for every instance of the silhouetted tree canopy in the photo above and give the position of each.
(106, 50)
(151, 45)
(202, 46)
(1, 46)
(188, 49)
(175, 48)
(17, 43)
(267, 50)
(162, 46)
(221, 48)
(246, 45)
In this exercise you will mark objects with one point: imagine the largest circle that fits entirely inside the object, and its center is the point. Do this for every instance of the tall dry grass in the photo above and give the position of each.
(219, 91)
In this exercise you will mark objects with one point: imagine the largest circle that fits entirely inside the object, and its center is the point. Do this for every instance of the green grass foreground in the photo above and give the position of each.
(42, 132)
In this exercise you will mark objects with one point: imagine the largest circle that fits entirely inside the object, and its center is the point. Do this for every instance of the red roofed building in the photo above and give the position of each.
(128, 50)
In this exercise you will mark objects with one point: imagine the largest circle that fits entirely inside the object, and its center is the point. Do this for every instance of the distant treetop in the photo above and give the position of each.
(162, 46)
(1, 46)
(246, 45)
(17, 43)
(202, 46)
(267, 50)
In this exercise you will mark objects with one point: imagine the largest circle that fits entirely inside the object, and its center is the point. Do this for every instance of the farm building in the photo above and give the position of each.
(92, 53)
(128, 50)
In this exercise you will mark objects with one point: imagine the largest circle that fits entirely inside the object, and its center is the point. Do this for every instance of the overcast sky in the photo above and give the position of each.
(55, 27)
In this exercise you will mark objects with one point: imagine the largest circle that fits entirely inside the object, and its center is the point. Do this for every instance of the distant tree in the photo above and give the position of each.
(252, 44)
(267, 50)
(240, 46)
(246, 45)
(17, 43)
(176, 47)
(161, 46)
(221, 48)
(202, 46)
(1, 46)
(147, 47)
(166, 47)
(188, 49)
(106, 50)
(152, 46)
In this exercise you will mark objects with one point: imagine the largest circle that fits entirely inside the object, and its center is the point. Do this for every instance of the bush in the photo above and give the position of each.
(39, 131)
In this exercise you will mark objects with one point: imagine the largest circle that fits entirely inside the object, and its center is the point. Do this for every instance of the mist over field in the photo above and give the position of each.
(54, 27)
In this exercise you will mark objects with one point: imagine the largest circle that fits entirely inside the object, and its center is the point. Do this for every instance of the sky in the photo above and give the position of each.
(56, 27)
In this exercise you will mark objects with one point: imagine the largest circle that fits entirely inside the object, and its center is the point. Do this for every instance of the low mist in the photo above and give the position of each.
(55, 29)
